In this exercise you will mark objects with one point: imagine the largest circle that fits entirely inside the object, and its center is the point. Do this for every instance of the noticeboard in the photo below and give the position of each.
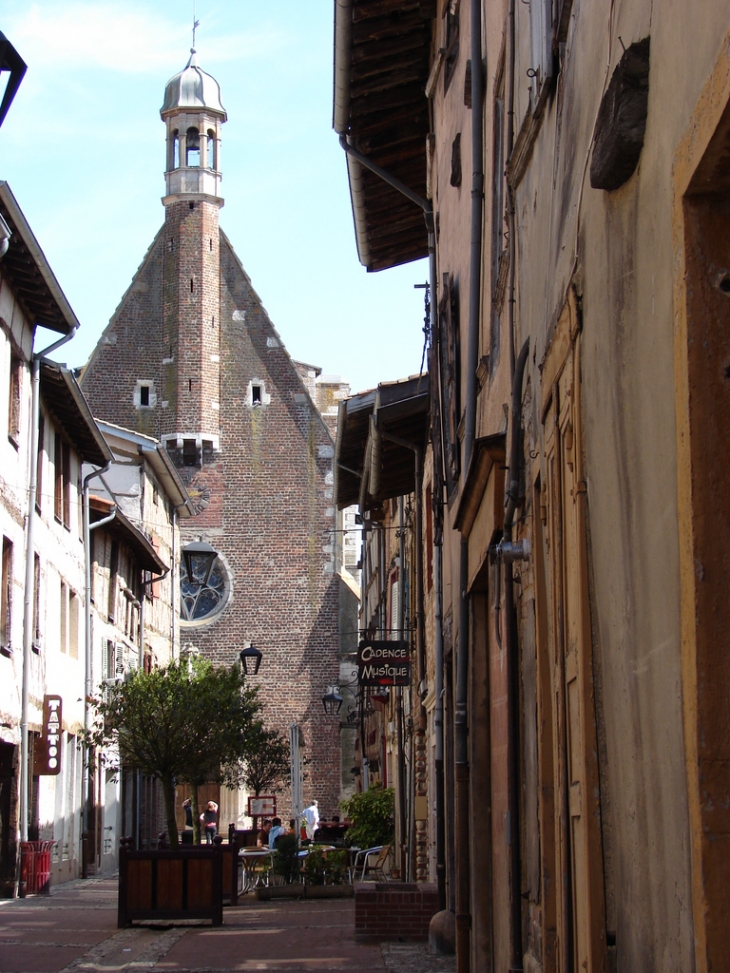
(262, 806)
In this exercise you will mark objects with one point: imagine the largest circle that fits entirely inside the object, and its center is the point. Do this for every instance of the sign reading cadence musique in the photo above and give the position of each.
(385, 663)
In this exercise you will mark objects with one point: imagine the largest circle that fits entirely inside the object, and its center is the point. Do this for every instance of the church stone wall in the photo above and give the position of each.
(131, 351)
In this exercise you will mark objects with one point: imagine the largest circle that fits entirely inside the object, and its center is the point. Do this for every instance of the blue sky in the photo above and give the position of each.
(83, 151)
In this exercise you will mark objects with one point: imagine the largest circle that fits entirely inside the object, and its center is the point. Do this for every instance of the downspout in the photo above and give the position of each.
(399, 691)
(438, 725)
(365, 627)
(86, 771)
(29, 578)
(420, 730)
(418, 531)
(173, 586)
(461, 748)
(424, 204)
(508, 552)
(510, 194)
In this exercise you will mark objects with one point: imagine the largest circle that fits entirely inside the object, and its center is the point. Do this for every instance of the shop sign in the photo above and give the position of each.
(385, 663)
(47, 753)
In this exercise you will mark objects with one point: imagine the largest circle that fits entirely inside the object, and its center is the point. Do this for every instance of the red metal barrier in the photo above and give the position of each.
(35, 868)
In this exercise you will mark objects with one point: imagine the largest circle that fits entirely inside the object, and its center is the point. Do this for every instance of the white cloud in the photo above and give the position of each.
(129, 38)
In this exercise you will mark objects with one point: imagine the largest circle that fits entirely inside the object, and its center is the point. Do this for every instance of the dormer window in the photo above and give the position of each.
(192, 148)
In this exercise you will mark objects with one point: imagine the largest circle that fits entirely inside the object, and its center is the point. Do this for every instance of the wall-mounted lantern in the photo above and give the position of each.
(250, 659)
(332, 701)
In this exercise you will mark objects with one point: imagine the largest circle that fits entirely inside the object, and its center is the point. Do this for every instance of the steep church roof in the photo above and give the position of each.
(192, 88)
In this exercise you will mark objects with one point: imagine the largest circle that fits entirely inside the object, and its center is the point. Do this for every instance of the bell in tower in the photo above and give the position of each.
(193, 114)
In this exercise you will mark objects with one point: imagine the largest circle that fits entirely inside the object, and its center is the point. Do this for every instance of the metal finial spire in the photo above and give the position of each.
(196, 24)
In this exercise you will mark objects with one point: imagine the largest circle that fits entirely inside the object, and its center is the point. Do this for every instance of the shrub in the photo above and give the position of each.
(286, 860)
(372, 815)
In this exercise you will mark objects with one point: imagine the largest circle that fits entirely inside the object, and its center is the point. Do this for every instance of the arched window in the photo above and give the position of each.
(174, 162)
(211, 150)
(206, 593)
(192, 147)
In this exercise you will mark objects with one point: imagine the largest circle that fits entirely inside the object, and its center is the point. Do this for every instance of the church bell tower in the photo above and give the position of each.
(193, 114)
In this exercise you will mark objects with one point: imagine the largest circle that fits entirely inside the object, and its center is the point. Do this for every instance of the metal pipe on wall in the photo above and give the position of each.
(461, 747)
(513, 669)
(88, 661)
(28, 607)
(399, 718)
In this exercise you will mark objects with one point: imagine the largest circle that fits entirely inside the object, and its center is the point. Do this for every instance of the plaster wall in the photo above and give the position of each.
(621, 262)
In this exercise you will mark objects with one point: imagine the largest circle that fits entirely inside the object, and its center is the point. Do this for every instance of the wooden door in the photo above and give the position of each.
(578, 853)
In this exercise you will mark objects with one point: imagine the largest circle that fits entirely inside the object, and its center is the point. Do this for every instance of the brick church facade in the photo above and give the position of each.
(191, 358)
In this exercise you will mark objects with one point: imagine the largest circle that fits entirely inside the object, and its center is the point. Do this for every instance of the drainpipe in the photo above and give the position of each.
(463, 907)
(438, 726)
(510, 194)
(424, 204)
(88, 674)
(173, 586)
(399, 691)
(30, 577)
(509, 551)
(418, 531)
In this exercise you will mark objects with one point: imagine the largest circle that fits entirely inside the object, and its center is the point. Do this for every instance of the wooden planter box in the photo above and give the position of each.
(176, 883)
(299, 891)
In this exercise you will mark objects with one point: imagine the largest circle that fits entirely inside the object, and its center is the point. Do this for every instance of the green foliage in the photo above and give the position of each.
(372, 815)
(325, 868)
(266, 767)
(286, 860)
(180, 723)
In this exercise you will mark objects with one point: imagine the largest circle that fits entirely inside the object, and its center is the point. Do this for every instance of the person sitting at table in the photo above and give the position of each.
(262, 839)
(276, 832)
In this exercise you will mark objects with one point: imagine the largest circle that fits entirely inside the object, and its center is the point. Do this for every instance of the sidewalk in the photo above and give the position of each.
(74, 931)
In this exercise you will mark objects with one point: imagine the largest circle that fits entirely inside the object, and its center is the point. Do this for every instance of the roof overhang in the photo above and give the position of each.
(381, 66)
(28, 274)
(157, 457)
(65, 401)
(369, 466)
(123, 528)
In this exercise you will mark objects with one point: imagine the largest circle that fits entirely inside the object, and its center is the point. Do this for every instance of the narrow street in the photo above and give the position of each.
(75, 929)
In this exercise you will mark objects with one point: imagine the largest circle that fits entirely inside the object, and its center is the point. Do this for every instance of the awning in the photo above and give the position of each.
(382, 61)
(370, 466)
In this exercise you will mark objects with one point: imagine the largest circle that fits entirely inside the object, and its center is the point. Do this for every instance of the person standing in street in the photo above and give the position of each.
(311, 819)
(187, 835)
(209, 819)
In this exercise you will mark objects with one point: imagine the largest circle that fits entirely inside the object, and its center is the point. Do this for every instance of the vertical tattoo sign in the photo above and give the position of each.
(48, 749)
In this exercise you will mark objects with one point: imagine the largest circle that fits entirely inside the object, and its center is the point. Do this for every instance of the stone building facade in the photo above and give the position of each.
(569, 186)
(191, 358)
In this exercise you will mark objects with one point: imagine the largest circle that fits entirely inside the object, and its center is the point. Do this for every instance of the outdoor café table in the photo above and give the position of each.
(254, 870)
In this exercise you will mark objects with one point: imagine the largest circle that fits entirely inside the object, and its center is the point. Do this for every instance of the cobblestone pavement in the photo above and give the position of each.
(415, 958)
(74, 930)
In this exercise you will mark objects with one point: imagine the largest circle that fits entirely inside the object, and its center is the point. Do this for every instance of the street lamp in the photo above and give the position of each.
(12, 62)
(332, 701)
(250, 657)
(199, 559)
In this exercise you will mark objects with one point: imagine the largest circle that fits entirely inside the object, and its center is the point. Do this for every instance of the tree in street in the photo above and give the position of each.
(183, 722)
